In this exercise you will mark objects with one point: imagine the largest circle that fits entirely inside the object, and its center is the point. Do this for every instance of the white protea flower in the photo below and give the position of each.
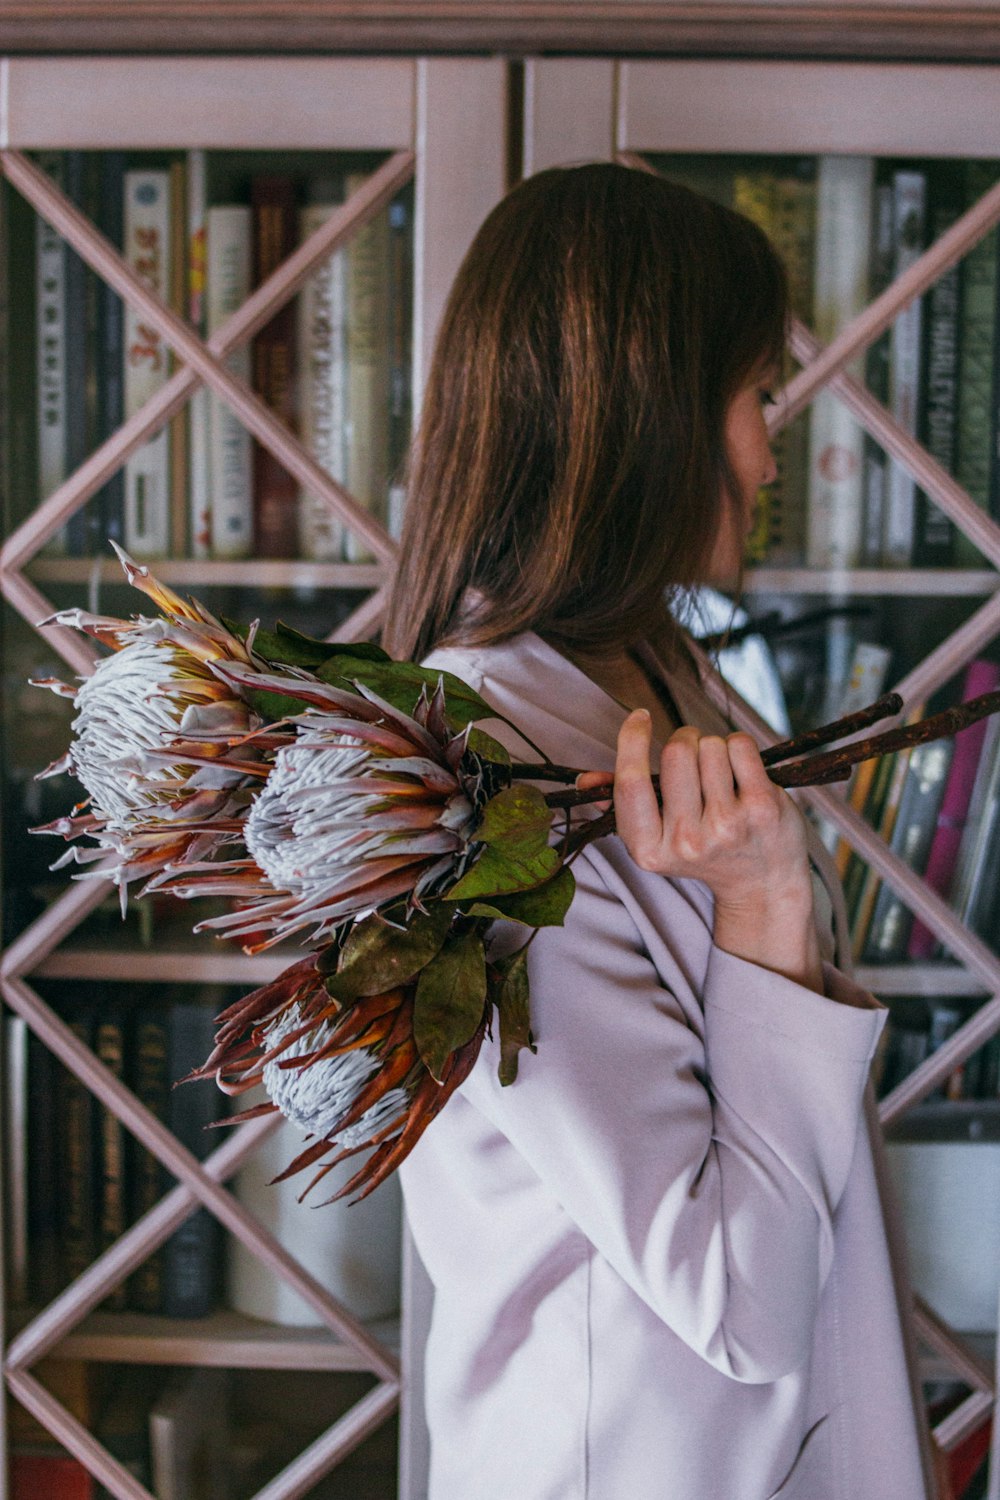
(350, 1076)
(367, 805)
(167, 751)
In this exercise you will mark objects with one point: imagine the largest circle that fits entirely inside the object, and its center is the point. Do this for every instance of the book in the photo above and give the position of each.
(886, 793)
(981, 676)
(794, 237)
(54, 1476)
(147, 242)
(191, 1254)
(148, 1178)
(920, 800)
(50, 351)
(909, 220)
(109, 359)
(977, 333)
(230, 444)
(836, 447)
(44, 1176)
(969, 892)
(20, 484)
(275, 491)
(189, 1436)
(178, 428)
(400, 353)
(199, 418)
(368, 369)
(322, 349)
(937, 423)
(111, 1043)
(80, 341)
(122, 1424)
(75, 1144)
(877, 368)
(15, 1159)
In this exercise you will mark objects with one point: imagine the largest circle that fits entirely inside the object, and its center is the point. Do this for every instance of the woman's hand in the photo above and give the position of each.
(724, 822)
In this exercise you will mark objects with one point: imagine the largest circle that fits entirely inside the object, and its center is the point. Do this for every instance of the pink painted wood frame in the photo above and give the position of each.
(204, 363)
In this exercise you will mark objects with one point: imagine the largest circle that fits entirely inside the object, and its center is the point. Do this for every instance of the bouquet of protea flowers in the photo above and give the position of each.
(349, 800)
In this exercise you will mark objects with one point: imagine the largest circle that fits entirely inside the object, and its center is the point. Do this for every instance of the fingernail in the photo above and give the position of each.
(642, 713)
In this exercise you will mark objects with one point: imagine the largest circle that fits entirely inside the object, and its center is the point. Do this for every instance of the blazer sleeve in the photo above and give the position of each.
(693, 1113)
(704, 1162)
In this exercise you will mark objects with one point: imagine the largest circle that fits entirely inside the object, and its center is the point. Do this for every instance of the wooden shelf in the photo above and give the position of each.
(933, 1367)
(224, 1338)
(931, 978)
(200, 572)
(929, 582)
(171, 962)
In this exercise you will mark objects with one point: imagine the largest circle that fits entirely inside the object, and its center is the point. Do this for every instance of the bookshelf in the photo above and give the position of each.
(666, 114)
(430, 127)
(451, 125)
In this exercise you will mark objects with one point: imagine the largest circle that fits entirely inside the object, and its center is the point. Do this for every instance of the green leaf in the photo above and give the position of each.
(377, 956)
(362, 650)
(543, 905)
(399, 683)
(451, 994)
(273, 706)
(514, 827)
(515, 1021)
(487, 748)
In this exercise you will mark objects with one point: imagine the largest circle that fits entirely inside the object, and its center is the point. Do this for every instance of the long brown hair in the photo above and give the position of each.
(570, 462)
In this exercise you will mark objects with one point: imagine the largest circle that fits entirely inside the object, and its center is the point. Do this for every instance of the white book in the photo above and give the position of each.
(50, 333)
(321, 340)
(199, 436)
(909, 215)
(229, 282)
(147, 471)
(836, 441)
(368, 370)
(189, 1436)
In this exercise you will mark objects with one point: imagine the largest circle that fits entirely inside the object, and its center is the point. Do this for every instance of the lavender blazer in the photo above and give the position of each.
(660, 1257)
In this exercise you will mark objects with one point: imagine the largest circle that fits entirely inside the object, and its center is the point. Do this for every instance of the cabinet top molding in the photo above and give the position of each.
(901, 29)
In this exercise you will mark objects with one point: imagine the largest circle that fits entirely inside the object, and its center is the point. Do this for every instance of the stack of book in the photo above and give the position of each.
(333, 364)
(76, 1179)
(846, 227)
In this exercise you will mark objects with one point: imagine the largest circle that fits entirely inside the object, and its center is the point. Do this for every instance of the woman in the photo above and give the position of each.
(659, 1257)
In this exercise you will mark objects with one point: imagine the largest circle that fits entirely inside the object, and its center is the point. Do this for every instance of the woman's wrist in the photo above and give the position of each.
(777, 933)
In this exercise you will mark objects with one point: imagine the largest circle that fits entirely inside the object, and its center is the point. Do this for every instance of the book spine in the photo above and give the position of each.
(230, 467)
(400, 355)
(190, 1273)
(869, 670)
(178, 428)
(321, 342)
(795, 238)
(368, 370)
(44, 1173)
(877, 368)
(20, 482)
(78, 366)
(981, 676)
(920, 801)
(276, 492)
(50, 339)
(148, 1178)
(110, 1046)
(938, 417)
(971, 850)
(76, 1109)
(111, 344)
(909, 217)
(147, 471)
(886, 792)
(836, 441)
(199, 419)
(975, 383)
(15, 1159)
